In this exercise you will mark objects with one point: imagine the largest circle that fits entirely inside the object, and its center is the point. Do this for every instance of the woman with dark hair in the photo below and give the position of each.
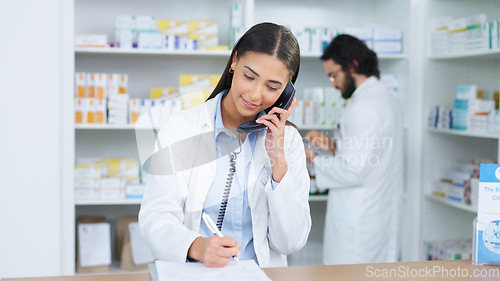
(256, 184)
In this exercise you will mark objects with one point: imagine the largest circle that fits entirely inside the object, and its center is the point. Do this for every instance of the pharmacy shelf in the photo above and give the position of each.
(381, 56)
(95, 202)
(108, 127)
(318, 198)
(316, 127)
(114, 268)
(471, 54)
(464, 133)
(104, 127)
(207, 53)
(461, 206)
(132, 127)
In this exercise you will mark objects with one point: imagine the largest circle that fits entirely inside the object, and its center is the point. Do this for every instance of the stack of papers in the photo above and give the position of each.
(173, 271)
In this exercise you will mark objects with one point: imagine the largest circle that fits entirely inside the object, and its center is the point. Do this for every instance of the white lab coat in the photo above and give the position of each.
(171, 209)
(365, 180)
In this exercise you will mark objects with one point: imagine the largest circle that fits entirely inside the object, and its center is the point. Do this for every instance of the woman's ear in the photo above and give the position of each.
(234, 59)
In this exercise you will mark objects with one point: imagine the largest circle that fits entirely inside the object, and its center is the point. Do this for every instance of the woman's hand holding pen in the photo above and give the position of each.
(214, 251)
(275, 139)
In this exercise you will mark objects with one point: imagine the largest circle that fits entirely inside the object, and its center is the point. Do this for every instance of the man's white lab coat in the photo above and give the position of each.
(170, 212)
(365, 180)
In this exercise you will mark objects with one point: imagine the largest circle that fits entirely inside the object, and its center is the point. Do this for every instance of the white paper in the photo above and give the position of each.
(242, 271)
(141, 254)
(94, 244)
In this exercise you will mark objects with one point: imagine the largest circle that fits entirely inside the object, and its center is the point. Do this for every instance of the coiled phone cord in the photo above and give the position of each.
(227, 188)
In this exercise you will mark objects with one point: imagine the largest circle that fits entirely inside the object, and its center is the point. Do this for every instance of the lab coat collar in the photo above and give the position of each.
(198, 179)
(207, 116)
(361, 89)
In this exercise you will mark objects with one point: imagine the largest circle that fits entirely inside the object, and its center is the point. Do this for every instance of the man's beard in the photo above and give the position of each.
(349, 87)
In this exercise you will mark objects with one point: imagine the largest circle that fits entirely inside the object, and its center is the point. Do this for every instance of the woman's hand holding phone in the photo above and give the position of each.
(275, 138)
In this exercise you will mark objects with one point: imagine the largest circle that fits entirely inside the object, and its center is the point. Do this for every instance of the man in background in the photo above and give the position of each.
(364, 174)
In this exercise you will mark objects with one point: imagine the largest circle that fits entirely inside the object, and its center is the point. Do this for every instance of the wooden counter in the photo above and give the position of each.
(428, 270)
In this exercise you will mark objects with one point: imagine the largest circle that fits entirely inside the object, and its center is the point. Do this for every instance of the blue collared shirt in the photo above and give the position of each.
(238, 219)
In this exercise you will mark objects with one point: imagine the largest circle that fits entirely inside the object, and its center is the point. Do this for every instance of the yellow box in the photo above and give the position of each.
(173, 26)
(134, 108)
(217, 48)
(98, 163)
(205, 39)
(100, 111)
(79, 109)
(122, 84)
(127, 168)
(162, 92)
(195, 89)
(90, 85)
(202, 26)
(112, 83)
(100, 87)
(81, 84)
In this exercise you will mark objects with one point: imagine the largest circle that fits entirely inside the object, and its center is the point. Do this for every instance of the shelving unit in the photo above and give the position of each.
(441, 218)
(108, 202)
(202, 53)
(312, 198)
(118, 51)
(155, 68)
(465, 133)
(479, 54)
(445, 201)
(104, 127)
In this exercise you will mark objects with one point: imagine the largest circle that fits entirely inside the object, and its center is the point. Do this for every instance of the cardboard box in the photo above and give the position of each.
(123, 84)
(134, 108)
(125, 21)
(127, 262)
(149, 39)
(87, 172)
(86, 193)
(135, 191)
(121, 227)
(125, 38)
(100, 85)
(90, 80)
(79, 111)
(100, 111)
(81, 85)
(91, 40)
(112, 193)
(173, 26)
(112, 83)
(146, 23)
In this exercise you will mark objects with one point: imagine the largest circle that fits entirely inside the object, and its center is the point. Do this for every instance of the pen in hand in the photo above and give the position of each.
(211, 225)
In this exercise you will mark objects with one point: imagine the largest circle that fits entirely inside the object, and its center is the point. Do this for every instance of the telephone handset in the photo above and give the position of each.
(283, 101)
